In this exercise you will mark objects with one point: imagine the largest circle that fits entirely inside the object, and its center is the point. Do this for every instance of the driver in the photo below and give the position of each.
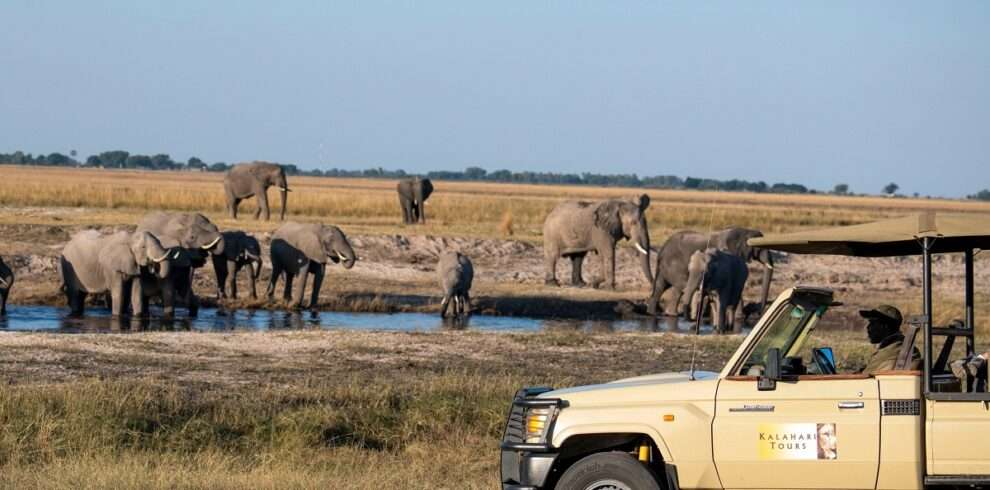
(884, 330)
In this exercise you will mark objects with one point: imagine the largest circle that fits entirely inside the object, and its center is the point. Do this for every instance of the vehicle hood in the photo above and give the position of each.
(636, 384)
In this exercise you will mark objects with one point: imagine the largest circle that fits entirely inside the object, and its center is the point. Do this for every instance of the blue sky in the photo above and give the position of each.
(816, 93)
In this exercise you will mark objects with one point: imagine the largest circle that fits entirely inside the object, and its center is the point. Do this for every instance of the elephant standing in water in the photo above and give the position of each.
(575, 228)
(456, 274)
(245, 180)
(198, 238)
(94, 263)
(675, 254)
(240, 249)
(6, 282)
(302, 249)
(413, 194)
(719, 275)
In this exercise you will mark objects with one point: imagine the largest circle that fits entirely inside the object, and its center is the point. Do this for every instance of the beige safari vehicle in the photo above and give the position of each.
(778, 415)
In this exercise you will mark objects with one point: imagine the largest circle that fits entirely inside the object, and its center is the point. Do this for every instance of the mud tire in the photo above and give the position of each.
(608, 471)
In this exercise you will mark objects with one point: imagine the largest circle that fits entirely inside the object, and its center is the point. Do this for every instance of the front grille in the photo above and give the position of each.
(902, 407)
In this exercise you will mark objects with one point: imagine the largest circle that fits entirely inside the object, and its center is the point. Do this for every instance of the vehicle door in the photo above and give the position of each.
(958, 436)
(811, 430)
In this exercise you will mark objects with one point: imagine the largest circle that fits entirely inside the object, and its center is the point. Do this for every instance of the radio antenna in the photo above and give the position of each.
(701, 289)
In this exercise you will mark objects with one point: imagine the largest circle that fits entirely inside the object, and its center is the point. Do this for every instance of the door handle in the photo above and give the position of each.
(851, 405)
(752, 408)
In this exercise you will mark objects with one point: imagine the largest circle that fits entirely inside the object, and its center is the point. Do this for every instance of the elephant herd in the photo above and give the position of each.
(159, 259)
(688, 263)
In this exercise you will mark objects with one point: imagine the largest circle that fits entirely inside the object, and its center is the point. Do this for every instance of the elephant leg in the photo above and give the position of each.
(273, 280)
(608, 266)
(168, 299)
(287, 293)
(77, 303)
(3, 302)
(467, 304)
(231, 278)
(299, 289)
(116, 297)
(138, 302)
(577, 261)
(253, 273)
(263, 203)
(220, 268)
(317, 283)
(550, 256)
(659, 286)
(444, 303)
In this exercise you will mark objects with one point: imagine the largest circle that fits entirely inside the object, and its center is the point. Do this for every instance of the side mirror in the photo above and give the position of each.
(825, 359)
(768, 381)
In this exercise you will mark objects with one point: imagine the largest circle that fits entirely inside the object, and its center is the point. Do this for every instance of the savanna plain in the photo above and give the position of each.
(388, 410)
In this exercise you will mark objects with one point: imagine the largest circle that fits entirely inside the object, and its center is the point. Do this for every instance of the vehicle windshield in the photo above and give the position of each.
(792, 325)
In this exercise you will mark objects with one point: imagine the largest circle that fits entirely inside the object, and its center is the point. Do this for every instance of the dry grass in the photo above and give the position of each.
(456, 208)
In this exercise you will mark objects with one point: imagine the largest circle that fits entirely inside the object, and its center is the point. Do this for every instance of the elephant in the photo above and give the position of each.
(673, 257)
(456, 273)
(413, 194)
(93, 263)
(253, 179)
(6, 282)
(719, 275)
(198, 238)
(240, 249)
(300, 249)
(575, 228)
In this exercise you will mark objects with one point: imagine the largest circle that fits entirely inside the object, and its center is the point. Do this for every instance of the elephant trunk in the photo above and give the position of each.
(767, 259)
(285, 195)
(641, 241)
(347, 258)
(256, 267)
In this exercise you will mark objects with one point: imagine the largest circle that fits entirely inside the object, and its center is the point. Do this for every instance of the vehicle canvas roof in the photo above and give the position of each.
(892, 237)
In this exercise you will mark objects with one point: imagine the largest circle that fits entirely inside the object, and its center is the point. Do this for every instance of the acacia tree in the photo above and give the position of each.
(891, 188)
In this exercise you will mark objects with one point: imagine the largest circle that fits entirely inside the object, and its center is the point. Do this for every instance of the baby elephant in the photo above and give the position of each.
(300, 249)
(95, 263)
(456, 273)
(721, 276)
(6, 281)
(240, 249)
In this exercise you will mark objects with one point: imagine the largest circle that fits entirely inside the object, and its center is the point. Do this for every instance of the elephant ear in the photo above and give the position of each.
(427, 189)
(607, 217)
(117, 256)
(308, 241)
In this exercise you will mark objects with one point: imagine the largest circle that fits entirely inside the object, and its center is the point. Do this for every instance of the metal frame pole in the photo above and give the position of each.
(926, 244)
(970, 315)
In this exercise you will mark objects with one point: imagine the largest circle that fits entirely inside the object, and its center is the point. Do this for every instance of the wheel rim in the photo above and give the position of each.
(608, 484)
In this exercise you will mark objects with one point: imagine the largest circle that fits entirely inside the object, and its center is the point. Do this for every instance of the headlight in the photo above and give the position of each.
(538, 419)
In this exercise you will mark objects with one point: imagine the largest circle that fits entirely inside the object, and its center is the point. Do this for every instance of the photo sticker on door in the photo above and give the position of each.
(797, 441)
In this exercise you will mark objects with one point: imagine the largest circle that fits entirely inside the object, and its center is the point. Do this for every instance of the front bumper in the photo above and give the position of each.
(525, 466)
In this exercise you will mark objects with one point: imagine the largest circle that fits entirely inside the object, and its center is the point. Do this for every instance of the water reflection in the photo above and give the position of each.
(52, 319)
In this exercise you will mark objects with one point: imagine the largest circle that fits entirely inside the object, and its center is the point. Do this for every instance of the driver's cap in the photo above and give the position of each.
(884, 312)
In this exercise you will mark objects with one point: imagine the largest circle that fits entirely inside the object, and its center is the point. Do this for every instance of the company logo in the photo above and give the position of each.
(798, 441)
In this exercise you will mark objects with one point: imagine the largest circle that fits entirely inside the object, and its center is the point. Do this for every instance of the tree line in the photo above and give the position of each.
(126, 160)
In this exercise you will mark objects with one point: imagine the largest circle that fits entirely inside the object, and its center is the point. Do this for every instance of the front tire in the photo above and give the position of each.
(608, 471)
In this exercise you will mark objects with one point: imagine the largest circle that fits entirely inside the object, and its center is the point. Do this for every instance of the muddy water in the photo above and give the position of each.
(53, 319)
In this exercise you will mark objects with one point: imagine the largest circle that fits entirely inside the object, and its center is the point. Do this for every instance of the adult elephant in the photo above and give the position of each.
(456, 273)
(94, 263)
(6, 282)
(301, 249)
(413, 194)
(253, 179)
(720, 275)
(675, 254)
(198, 238)
(575, 228)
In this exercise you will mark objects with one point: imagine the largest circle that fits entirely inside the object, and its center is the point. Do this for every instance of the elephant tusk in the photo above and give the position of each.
(4, 282)
(641, 249)
(769, 266)
(212, 244)
(341, 256)
(159, 259)
(285, 189)
(176, 256)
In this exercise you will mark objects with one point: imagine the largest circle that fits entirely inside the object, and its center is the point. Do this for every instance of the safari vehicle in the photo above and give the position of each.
(778, 415)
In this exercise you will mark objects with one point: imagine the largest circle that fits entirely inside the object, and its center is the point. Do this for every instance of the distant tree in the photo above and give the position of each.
(841, 189)
(890, 188)
(93, 161)
(72, 153)
(475, 173)
(162, 161)
(218, 167)
(195, 163)
(138, 161)
(983, 195)
(58, 159)
(114, 159)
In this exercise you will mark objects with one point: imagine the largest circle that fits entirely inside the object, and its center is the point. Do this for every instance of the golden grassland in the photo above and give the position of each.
(456, 208)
